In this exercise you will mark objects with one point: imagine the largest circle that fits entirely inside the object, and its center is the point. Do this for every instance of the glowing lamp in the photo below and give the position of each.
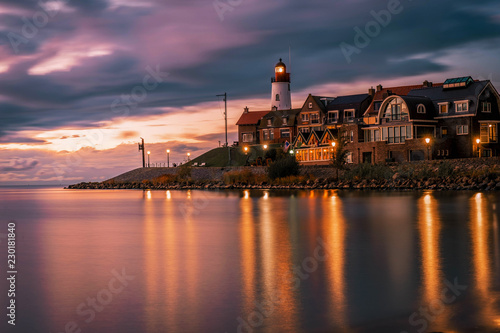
(427, 140)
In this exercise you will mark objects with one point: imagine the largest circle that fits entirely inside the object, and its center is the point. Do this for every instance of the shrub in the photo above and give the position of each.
(445, 169)
(244, 176)
(283, 167)
(369, 172)
(165, 179)
(184, 171)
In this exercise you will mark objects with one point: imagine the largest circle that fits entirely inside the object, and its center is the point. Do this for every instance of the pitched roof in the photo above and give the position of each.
(251, 118)
(277, 118)
(400, 91)
(350, 99)
(438, 94)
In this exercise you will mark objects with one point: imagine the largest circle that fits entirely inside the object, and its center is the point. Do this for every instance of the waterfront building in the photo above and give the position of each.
(455, 119)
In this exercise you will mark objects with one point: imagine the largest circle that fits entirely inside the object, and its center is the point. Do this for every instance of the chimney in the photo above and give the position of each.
(427, 84)
(371, 91)
(379, 88)
(245, 109)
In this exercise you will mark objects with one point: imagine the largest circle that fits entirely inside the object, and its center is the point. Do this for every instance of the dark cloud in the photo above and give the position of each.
(20, 165)
(205, 56)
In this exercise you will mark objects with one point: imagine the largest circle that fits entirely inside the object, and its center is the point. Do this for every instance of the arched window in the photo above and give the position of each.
(421, 108)
(277, 97)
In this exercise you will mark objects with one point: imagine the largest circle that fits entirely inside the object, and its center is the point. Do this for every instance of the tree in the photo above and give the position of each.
(340, 153)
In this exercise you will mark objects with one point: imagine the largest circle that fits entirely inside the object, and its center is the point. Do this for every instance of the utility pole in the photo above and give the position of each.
(225, 122)
(141, 147)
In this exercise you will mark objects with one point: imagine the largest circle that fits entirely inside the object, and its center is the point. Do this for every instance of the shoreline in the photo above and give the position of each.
(445, 175)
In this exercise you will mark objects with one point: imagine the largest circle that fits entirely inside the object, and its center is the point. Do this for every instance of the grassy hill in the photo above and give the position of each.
(218, 157)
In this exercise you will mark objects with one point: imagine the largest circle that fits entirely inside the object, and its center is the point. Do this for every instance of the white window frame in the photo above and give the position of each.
(305, 117)
(461, 104)
(346, 119)
(447, 105)
(285, 120)
(310, 105)
(243, 135)
(314, 117)
(336, 117)
(284, 130)
(462, 129)
(421, 108)
(488, 107)
(270, 122)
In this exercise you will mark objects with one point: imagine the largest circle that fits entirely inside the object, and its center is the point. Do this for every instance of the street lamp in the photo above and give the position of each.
(333, 144)
(265, 146)
(246, 150)
(427, 141)
(149, 153)
(478, 141)
(188, 154)
(168, 158)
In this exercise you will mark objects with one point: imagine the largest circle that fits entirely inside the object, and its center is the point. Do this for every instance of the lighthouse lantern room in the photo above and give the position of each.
(280, 96)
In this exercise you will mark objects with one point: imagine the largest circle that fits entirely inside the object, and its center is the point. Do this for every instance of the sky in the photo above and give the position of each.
(82, 80)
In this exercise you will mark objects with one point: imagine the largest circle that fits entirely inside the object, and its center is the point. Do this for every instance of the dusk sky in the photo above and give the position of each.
(82, 80)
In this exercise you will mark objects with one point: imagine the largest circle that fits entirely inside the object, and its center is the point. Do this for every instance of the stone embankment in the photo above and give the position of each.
(464, 174)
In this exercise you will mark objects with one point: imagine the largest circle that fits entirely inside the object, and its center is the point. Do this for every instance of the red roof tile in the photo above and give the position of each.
(251, 118)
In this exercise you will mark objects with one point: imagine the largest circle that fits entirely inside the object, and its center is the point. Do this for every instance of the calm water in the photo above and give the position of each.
(252, 261)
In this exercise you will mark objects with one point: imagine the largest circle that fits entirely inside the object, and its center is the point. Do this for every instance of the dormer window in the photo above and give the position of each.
(421, 108)
(348, 116)
(443, 108)
(285, 120)
(462, 106)
(270, 122)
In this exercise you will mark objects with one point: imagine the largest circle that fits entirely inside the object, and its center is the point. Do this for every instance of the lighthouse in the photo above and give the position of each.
(280, 96)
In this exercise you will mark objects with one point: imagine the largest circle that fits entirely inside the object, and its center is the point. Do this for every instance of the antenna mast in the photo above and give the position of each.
(225, 123)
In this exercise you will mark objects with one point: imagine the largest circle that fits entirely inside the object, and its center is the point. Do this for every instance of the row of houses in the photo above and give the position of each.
(455, 119)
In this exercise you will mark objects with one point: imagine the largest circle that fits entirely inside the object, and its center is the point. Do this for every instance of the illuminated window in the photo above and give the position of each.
(443, 108)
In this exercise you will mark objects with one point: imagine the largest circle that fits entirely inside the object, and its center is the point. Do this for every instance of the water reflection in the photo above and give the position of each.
(480, 231)
(334, 233)
(429, 226)
(269, 300)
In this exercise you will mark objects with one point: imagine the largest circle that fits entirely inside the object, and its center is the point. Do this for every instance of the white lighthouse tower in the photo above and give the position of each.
(280, 97)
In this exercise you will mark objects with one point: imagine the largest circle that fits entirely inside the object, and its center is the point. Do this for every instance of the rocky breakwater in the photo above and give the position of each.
(456, 175)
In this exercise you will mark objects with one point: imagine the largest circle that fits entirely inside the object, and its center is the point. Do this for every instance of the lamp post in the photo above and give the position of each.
(246, 150)
(427, 141)
(168, 158)
(188, 154)
(149, 153)
(478, 141)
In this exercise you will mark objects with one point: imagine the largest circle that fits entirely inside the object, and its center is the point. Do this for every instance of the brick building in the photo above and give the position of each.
(455, 119)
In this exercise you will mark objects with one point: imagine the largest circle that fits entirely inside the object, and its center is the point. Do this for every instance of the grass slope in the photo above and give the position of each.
(218, 157)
